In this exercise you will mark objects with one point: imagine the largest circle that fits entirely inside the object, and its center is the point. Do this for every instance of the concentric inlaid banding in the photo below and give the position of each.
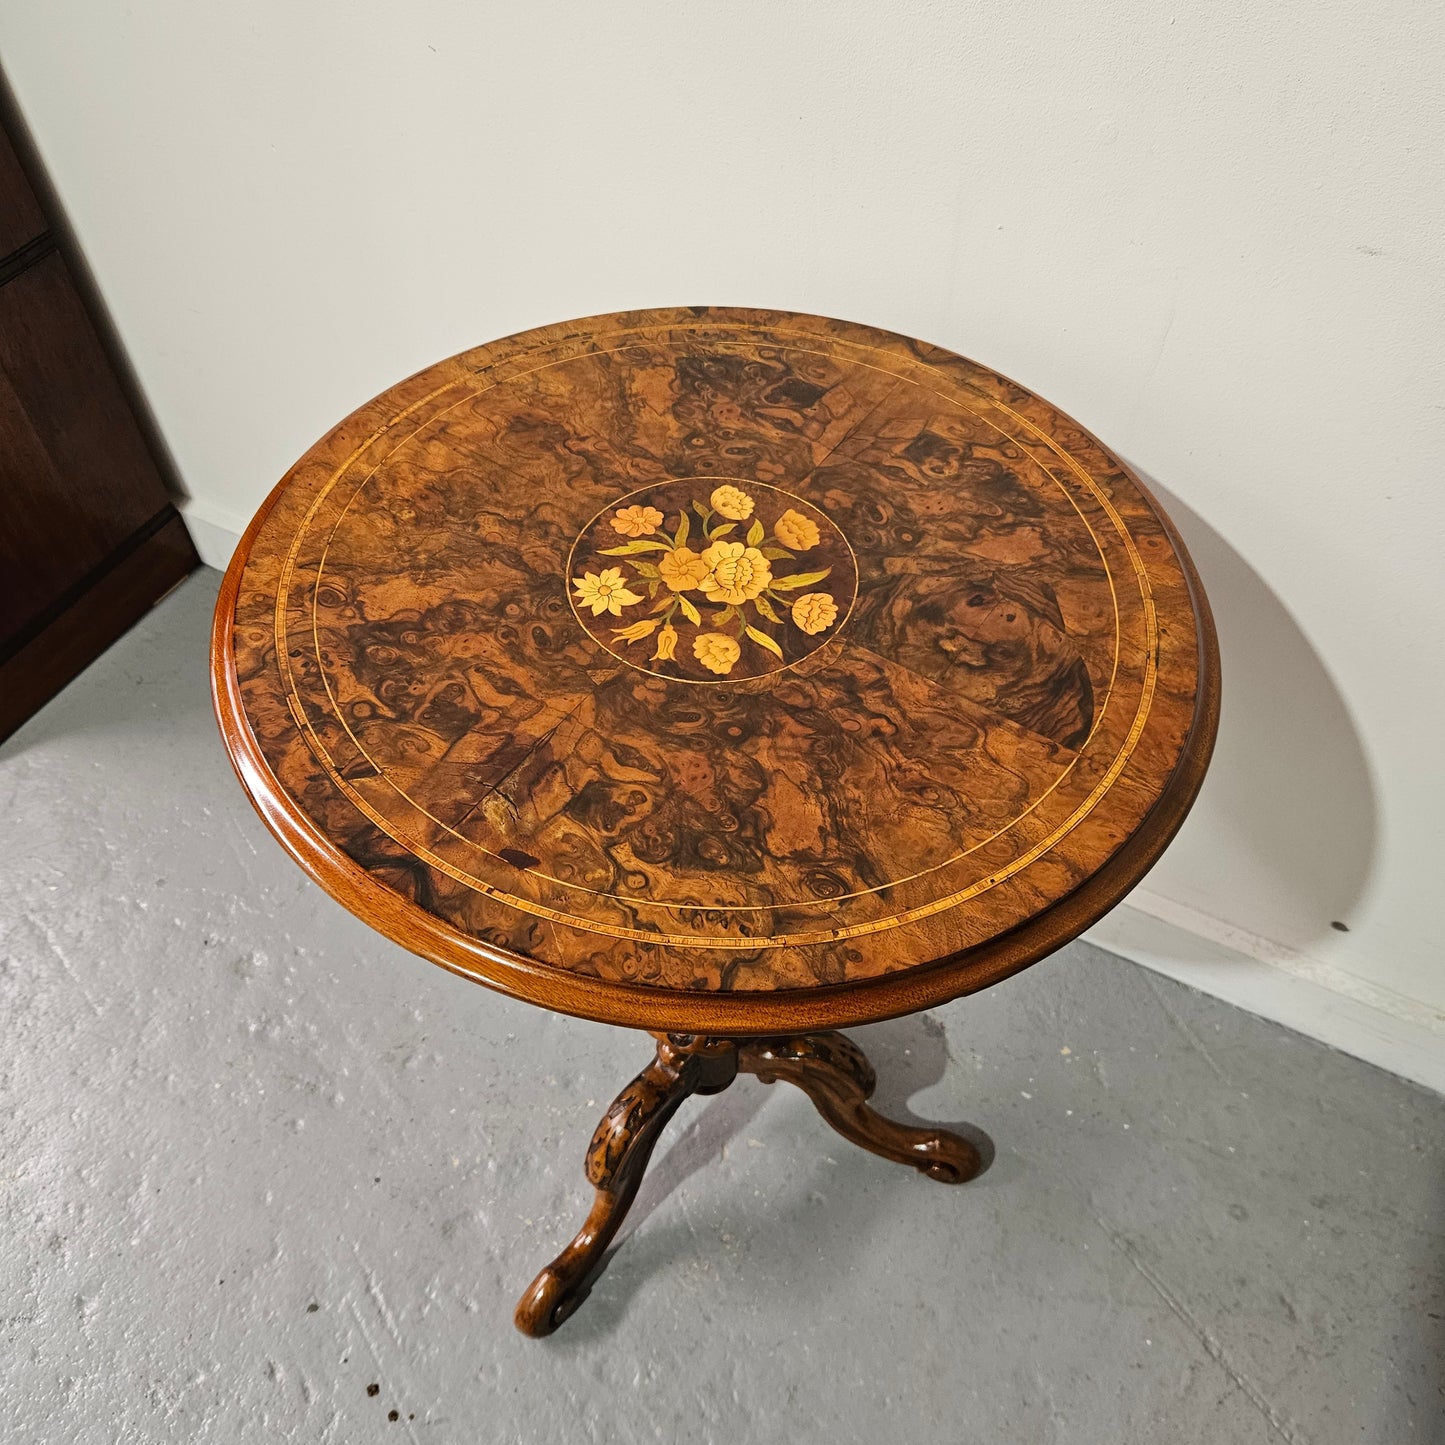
(980, 674)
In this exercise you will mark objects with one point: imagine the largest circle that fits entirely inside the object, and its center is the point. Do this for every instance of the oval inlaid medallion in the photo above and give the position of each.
(712, 579)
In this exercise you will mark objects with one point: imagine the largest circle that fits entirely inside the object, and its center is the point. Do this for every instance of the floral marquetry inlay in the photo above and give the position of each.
(705, 579)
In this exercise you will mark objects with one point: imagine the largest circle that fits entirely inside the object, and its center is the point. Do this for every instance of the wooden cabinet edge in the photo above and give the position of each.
(128, 585)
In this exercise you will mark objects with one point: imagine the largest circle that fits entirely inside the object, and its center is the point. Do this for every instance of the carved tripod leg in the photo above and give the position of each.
(616, 1161)
(837, 1077)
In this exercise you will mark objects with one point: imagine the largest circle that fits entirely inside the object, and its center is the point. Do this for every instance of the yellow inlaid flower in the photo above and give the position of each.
(732, 502)
(604, 591)
(716, 651)
(814, 611)
(637, 631)
(735, 572)
(666, 644)
(795, 530)
(636, 521)
(681, 569)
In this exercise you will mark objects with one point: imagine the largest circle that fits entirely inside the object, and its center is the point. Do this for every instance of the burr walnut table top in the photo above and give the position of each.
(717, 671)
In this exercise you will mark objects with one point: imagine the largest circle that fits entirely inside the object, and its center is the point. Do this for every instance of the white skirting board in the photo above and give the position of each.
(1401, 1035)
(214, 531)
(1313, 998)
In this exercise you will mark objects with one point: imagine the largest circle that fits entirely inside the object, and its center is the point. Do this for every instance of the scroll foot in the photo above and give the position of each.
(616, 1161)
(837, 1077)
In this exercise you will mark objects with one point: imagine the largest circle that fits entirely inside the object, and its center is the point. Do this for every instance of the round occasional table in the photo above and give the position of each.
(735, 675)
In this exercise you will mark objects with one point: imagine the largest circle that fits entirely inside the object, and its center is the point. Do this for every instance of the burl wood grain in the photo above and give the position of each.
(722, 670)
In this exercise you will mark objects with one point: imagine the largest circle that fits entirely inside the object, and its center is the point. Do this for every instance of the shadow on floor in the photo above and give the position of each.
(908, 1054)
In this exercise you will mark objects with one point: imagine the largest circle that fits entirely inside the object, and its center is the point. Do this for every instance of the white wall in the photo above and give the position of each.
(1212, 231)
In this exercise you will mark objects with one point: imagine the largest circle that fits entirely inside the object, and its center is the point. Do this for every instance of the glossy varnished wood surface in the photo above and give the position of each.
(720, 671)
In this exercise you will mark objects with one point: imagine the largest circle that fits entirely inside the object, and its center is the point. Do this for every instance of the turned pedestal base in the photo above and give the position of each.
(829, 1068)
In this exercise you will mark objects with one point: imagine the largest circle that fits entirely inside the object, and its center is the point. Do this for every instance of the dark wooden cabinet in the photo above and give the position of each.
(89, 537)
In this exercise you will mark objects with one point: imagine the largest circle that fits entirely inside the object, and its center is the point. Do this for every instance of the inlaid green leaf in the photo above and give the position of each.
(777, 554)
(799, 579)
(646, 569)
(702, 509)
(763, 640)
(723, 530)
(637, 630)
(682, 529)
(689, 611)
(766, 608)
(629, 548)
(755, 534)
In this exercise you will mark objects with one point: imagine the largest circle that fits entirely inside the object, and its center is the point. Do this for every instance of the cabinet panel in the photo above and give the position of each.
(21, 219)
(89, 538)
(76, 478)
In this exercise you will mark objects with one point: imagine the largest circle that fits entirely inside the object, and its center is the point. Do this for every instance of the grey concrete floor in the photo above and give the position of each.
(267, 1177)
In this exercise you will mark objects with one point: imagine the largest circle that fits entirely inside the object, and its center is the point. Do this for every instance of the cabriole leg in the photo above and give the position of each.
(835, 1075)
(829, 1068)
(616, 1161)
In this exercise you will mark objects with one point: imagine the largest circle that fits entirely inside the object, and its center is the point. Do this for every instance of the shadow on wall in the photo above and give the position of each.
(1282, 839)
